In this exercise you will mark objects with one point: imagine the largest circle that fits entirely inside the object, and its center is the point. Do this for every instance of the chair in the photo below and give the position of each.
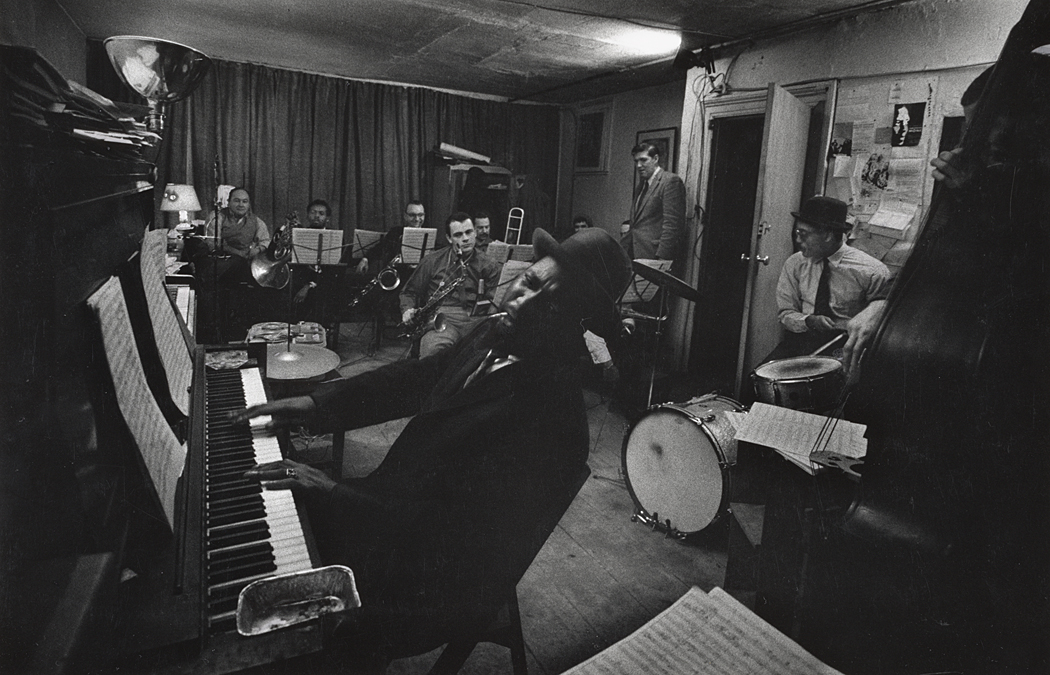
(505, 630)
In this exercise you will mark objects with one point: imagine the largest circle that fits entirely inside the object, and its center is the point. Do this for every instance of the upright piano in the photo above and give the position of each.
(93, 579)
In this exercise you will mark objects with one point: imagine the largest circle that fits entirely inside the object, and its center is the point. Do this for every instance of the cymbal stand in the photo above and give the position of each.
(656, 346)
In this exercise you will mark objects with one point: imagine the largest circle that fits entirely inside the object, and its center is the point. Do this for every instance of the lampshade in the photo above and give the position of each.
(179, 198)
(159, 70)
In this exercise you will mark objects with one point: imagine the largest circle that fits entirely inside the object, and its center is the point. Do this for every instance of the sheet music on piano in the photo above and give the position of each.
(416, 243)
(170, 343)
(161, 451)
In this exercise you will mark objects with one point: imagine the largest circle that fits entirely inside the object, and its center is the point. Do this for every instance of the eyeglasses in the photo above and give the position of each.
(804, 234)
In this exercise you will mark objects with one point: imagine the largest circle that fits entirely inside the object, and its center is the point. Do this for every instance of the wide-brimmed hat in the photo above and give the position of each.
(824, 212)
(598, 271)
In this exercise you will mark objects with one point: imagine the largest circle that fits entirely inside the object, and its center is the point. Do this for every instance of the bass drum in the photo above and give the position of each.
(676, 463)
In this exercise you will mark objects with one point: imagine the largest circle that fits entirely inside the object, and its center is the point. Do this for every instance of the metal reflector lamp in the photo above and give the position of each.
(160, 71)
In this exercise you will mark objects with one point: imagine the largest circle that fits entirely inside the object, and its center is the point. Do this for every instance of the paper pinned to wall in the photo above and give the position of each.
(893, 218)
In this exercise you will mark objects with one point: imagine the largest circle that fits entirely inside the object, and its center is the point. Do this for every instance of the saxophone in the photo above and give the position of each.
(386, 279)
(423, 320)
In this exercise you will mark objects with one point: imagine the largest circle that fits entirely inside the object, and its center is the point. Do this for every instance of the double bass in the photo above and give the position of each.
(948, 532)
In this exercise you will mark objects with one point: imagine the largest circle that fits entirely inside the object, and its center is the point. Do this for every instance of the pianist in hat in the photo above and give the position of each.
(499, 430)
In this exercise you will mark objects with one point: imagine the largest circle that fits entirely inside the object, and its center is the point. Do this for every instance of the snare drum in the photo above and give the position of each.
(676, 463)
(808, 383)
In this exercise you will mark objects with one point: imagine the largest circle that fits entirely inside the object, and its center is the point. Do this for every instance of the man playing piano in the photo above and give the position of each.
(499, 429)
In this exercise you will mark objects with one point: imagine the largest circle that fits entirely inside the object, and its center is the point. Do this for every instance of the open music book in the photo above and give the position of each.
(416, 243)
(797, 435)
(310, 247)
(710, 633)
(642, 290)
(161, 451)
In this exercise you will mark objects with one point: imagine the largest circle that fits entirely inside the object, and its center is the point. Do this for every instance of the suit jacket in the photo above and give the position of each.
(441, 528)
(658, 222)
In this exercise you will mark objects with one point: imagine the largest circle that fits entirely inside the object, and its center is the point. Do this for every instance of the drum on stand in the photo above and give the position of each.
(676, 462)
(807, 383)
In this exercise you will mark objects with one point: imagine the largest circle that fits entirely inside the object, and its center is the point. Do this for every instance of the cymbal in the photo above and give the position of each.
(301, 362)
(665, 280)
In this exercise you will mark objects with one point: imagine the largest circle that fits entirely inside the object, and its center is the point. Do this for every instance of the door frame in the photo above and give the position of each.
(736, 104)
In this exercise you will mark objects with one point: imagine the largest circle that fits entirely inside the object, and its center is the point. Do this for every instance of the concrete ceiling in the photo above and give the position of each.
(548, 50)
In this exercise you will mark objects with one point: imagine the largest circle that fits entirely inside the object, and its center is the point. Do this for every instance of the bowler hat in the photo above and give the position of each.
(598, 271)
(824, 212)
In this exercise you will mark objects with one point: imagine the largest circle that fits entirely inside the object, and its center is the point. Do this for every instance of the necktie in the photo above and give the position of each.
(822, 305)
(641, 196)
(483, 368)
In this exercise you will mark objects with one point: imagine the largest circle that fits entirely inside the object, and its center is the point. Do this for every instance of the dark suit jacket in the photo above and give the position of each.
(441, 527)
(658, 222)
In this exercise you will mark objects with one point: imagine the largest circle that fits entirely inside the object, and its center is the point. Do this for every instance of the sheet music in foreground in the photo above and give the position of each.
(178, 366)
(416, 242)
(710, 633)
(643, 290)
(311, 247)
(512, 269)
(161, 451)
(796, 434)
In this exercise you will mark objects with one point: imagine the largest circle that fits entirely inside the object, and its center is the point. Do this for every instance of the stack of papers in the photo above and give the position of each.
(51, 109)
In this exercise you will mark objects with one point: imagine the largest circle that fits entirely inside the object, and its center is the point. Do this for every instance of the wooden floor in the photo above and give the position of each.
(599, 576)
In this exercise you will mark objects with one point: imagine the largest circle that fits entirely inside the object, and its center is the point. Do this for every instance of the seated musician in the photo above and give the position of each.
(483, 226)
(461, 306)
(437, 533)
(827, 282)
(243, 235)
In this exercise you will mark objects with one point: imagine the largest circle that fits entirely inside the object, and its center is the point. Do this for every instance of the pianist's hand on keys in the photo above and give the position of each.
(289, 475)
(284, 412)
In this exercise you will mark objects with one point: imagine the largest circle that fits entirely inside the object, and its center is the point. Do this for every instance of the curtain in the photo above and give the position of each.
(289, 137)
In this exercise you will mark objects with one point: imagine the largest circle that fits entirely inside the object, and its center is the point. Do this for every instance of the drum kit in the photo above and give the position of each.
(678, 458)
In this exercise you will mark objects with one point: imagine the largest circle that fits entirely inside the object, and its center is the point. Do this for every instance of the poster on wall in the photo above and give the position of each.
(593, 134)
(908, 119)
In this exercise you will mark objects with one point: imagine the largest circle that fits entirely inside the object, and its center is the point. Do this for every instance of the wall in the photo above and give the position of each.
(921, 36)
(606, 197)
(44, 25)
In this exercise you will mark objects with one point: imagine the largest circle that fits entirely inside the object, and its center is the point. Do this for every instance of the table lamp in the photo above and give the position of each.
(160, 71)
(181, 198)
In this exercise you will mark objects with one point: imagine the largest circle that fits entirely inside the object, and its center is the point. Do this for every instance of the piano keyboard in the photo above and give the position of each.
(251, 533)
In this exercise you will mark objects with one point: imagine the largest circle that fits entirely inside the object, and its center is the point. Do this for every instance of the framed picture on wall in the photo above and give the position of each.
(593, 138)
(666, 141)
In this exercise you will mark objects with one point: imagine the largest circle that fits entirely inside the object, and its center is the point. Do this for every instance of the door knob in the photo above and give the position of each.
(764, 259)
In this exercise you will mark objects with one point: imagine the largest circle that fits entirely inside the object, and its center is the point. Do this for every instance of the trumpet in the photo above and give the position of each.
(387, 279)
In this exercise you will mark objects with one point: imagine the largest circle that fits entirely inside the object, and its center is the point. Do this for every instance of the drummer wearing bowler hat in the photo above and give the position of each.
(827, 282)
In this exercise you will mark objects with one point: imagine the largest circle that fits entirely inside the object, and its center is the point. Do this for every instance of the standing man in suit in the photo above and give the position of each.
(658, 210)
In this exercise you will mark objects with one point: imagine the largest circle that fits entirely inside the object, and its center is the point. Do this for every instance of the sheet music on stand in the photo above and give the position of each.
(512, 269)
(643, 290)
(498, 251)
(364, 242)
(711, 633)
(521, 252)
(416, 243)
(798, 435)
(317, 246)
(161, 451)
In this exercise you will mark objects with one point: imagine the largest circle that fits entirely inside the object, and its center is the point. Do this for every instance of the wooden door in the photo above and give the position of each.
(779, 188)
(736, 152)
